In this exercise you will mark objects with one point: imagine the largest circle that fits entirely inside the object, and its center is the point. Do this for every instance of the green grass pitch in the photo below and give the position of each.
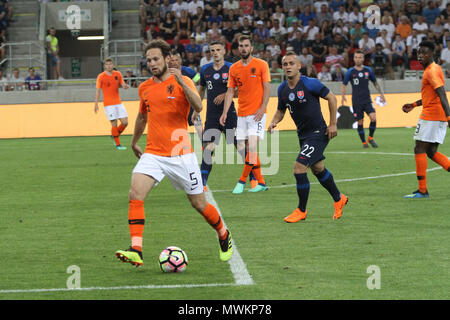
(64, 202)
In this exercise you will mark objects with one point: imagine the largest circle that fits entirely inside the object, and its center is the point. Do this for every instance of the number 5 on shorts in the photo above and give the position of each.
(194, 180)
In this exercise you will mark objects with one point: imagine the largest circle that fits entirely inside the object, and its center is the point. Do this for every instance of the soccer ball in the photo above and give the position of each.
(173, 259)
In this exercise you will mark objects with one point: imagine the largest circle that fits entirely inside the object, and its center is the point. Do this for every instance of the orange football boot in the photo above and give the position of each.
(339, 206)
(296, 216)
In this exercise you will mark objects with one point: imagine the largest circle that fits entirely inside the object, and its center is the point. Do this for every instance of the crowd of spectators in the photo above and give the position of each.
(6, 12)
(324, 34)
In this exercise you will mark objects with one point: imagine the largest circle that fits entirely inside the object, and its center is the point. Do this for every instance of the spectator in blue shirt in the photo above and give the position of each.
(306, 16)
(33, 81)
(194, 47)
(431, 12)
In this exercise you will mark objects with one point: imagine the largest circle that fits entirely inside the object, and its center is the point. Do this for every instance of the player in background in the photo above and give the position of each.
(301, 96)
(165, 100)
(359, 76)
(432, 125)
(213, 81)
(109, 81)
(176, 62)
(252, 78)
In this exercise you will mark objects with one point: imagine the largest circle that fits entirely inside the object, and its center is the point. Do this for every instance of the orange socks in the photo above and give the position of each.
(115, 134)
(136, 221)
(421, 171)
(441, 160)
(121, 127)
(212, 216)
(248, 167)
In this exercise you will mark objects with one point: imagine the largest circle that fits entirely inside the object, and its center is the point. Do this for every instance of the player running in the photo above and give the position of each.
(252, 78)
(301, 96)
(359, 75)
(432, 125)
(165, 100)
(109, 81)
(213, 80)
(176, 62)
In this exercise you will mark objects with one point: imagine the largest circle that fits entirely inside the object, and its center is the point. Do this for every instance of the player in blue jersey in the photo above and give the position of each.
(213, 81)
(176, 62)
(359, 76)
(300, 95)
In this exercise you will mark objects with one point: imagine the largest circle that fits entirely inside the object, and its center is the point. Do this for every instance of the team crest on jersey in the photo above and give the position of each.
(170, 89)
(360, 74)
(216, 76)
(291, 96)
(225, 76)
(300, 94)
(253, 70)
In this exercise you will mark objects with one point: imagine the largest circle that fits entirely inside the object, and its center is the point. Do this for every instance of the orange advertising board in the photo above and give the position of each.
(79, 119)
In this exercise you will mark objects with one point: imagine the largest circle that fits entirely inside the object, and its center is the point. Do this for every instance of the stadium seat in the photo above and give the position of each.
(415, 65)
(318, 66)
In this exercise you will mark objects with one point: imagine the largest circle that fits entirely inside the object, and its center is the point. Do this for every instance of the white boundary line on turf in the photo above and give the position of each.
(175, 286)
(352, 179)
(237, 265)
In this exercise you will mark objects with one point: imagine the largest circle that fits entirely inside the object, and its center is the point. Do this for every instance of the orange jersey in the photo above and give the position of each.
(249, 79)
(110, 86)
(167, 109)
(433, 78)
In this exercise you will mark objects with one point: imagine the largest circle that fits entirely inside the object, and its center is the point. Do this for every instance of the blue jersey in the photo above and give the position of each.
(189, 72)
(360, 84)
(304, 105)
(215, 82)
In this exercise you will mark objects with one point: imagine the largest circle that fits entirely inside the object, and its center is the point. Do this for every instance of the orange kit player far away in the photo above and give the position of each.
(109, 81)
(165, 102)
(251, 77)
(432, 125)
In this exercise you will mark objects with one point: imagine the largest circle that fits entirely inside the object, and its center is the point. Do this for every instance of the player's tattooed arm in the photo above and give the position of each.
(444, 102)
(409, 106)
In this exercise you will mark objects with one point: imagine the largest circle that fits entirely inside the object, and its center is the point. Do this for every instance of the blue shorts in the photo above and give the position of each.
(312, 148)
(359, 109)
(213, 129)
(53, 58)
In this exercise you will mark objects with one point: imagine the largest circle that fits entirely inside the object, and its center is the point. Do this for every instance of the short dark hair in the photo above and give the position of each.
(245, 37)
(358, 51)
(216, 42)
(158, 44)
(427, 44)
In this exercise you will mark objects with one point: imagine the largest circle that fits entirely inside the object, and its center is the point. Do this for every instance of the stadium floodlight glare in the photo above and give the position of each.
(91, 38)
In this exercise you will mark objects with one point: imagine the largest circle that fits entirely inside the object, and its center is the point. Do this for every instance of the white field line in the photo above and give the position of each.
(237, 265)
(175, 286)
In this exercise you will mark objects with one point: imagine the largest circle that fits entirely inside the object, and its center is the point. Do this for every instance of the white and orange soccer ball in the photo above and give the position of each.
(173, 259)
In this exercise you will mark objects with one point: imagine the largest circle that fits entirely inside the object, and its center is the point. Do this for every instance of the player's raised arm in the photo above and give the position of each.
(332, 105)
(444, 102)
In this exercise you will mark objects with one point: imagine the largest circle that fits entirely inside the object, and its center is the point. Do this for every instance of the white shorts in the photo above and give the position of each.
(116, 111)
(430, 131)
(247, 126)
(182, 171)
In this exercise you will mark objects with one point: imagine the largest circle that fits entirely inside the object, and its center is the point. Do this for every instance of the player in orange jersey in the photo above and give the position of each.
(252, 78)
(433, 121)
(165, 101)
(109, 81)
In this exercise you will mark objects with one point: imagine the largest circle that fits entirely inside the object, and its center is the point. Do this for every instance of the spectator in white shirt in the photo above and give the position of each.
(445, 61)
(421, 25)
(412, 44)
(324, 74)
(178, 6)
(318, 4)
(311, 29)
(437, 26)
(193, 5)
(388, 26)
(277, 31)
(16, 82)
(341, 14)
(366, 44)
(355, 16)
(273, 47)
(305, 58)
(231, 4)
(399, 51)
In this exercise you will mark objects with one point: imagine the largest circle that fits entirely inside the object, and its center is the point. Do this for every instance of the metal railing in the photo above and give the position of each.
(114, 53)
(32, 59)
